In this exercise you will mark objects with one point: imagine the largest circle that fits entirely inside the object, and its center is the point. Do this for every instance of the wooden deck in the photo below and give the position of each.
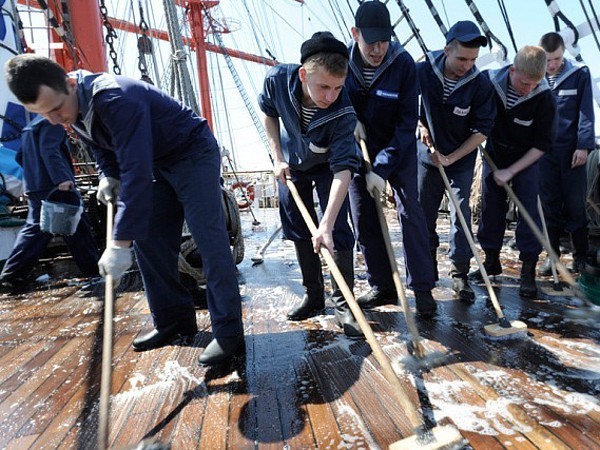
(301, 385)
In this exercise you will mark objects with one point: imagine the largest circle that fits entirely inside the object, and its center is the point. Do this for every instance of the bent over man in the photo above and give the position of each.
(161, 162)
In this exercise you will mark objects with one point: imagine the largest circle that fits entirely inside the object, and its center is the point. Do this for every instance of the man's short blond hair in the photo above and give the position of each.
(531, 61)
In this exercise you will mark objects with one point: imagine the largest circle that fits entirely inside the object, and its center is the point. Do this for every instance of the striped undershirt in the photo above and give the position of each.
(307, 114)
(368, 73)
(448, 87)
(511, 97)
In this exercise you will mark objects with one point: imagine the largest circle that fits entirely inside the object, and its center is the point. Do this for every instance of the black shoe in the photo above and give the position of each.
(528, 287)
(160, 337)
(222, 349)
(309, 307)
(426, 305)
(460, 285)
(376, 297)
(578, 264)
(345, 320)
(492, 266)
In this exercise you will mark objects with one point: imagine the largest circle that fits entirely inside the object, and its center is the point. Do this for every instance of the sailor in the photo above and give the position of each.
(46, 160)
(160, 162)
(524, 130)
(456, 115)
(315, 149)
(563, 178)
(382, 85)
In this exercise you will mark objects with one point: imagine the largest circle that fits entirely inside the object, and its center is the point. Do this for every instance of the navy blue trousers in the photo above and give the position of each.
(495, 206)
(32, 241)
(189, 189)
(431, 192)
(294, 226)
(419, 267)
(563, 191)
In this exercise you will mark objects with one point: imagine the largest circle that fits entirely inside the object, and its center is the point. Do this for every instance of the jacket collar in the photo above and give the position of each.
(437, 60)
(356, 63)
(568, 69)
(500, 77)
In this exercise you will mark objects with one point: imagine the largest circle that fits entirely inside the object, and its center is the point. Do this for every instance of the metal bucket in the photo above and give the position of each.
(58, 217)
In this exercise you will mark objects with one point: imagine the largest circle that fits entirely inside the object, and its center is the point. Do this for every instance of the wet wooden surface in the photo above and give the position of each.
(301, 384)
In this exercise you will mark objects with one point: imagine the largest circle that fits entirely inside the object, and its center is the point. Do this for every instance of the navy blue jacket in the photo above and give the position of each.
(531, 122)
(44, 155)
(469, 108)
(574, 99)
(134, 127)
(388, 109)
(330, 133)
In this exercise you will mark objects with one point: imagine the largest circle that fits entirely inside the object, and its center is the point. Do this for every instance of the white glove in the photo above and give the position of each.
(115, 261)
(108, 190)
(359, 132)
(374, 183)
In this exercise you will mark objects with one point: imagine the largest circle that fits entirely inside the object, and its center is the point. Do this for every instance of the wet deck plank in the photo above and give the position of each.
(303, 384)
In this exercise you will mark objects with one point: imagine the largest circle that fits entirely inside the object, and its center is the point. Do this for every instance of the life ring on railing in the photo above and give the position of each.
(244, 194)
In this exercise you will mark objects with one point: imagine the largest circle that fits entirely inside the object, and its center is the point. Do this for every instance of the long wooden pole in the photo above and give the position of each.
(107, 345)
(388, 371)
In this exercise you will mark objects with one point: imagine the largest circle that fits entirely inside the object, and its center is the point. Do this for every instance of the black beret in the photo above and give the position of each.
(322, 42)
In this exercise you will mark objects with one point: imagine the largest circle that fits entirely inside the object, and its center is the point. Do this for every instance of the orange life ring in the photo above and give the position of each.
(243, 201)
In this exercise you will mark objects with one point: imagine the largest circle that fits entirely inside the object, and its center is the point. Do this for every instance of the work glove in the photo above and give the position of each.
(115, 261)
(374, 183)
(108, 190)
(360, 133)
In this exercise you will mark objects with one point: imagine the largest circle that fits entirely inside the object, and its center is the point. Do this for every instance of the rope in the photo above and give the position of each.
(416, 32)
(437, 18)
(486, 30)
(504, 12)
(587, 17)
(556, 14)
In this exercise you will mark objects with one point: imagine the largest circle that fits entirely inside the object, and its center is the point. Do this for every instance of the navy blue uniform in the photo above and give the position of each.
(563, 189)
(326, 148)
(46, 161)
(530, 123)
(470, 108)
(388, 110)
(168, 162)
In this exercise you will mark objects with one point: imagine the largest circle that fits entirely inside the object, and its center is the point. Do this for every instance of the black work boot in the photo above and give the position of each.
(528, 288)
(313, 301)
(492, 265)
(579, 238)
(376, 297)
(460, 283)
(554, 237)
(426, 305)
(343, 316)
(178, 331)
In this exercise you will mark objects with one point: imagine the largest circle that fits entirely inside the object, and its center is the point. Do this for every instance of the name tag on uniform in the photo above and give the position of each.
(315, 149)
(525, 123)
(567, 92)
(386, 94)
(461, 111)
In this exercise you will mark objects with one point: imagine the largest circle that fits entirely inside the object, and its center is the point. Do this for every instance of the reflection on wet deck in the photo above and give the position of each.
(300, 385)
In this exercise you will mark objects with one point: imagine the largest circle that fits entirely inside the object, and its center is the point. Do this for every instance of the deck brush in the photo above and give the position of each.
(503, 329)
(148, 444)
(436, 438)
(259, 257)
(445, 437)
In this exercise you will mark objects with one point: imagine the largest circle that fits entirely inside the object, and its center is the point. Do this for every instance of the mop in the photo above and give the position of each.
(420, 360)
(107, 353)
(551, 253)
(436, 438)
(557, 287)
(259, 257)
(504, 329)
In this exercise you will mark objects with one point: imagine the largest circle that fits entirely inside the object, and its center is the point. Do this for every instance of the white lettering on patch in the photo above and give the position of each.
(316, 149)
(525, 123)
(461, 111)
(386, 94)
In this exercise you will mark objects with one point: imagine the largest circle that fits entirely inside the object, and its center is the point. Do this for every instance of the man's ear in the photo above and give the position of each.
(302, 74)
(71, 84)
(355, 33)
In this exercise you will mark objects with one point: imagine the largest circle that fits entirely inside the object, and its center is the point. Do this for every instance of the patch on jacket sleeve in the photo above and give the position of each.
(316, 149)
(461, 111)
(525, 123)
(386, 94)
